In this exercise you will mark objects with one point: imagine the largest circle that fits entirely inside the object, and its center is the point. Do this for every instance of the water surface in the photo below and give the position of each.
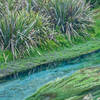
(25, 86)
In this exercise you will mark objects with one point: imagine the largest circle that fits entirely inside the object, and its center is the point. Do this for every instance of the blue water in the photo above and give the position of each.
(23, 87)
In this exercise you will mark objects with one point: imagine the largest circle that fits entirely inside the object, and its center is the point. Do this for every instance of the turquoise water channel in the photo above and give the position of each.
(24, 86)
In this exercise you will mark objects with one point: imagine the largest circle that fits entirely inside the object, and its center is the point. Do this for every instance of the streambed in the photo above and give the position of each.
(24, 86)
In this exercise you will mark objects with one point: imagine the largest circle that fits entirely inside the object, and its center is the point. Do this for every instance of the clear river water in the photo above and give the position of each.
(24, 86)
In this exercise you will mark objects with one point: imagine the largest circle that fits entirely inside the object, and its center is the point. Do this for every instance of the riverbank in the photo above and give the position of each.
(64, 53)
(83, 84)
(23, 65)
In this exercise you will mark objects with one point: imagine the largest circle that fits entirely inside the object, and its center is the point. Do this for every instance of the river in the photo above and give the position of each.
(24, 86)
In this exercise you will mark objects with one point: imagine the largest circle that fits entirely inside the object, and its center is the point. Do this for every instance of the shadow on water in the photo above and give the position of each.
(24, 84)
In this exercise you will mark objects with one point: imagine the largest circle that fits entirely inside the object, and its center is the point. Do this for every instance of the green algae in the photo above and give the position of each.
(83, 84)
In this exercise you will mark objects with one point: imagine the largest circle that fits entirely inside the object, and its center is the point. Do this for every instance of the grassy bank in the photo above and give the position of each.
(34, 35)
(83, 85)
(47, 57)
(52, 52)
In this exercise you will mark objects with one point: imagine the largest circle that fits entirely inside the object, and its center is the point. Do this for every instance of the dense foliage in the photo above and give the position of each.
(72, 16)
(94, 3)
(46, 24)
(21, 30)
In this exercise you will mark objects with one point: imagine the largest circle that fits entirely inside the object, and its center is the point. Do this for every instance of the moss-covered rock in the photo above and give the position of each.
(83, 85)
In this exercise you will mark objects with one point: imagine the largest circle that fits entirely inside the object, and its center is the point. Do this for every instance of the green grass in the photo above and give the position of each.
(5, 56)
(97, 22)
(63, 53)
(85, 83)
(52, 53)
